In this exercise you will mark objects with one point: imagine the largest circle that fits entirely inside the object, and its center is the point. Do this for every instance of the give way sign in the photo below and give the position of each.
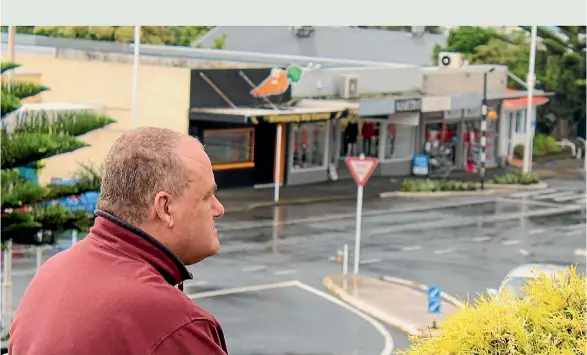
(361, 168)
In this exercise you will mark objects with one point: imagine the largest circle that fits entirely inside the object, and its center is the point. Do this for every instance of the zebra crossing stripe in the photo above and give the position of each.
(569, 198)
(533, 193)
(554, 195)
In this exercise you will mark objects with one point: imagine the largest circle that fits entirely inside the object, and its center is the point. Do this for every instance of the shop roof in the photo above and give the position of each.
(253, 115)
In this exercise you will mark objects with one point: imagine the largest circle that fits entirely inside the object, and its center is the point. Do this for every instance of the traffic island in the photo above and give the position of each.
(400, 306)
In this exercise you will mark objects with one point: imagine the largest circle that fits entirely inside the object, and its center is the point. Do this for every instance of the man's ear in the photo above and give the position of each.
(162, 208)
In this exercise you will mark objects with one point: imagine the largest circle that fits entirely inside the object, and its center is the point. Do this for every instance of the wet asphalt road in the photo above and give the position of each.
(462, 245)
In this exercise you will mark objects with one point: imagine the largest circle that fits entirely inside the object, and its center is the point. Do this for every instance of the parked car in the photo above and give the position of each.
(517, 278)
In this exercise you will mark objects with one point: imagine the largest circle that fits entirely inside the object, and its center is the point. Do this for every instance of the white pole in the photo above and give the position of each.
(345, 260)
(529, 117)
(39, 252)
(358, 228)
(277, 173)
(135, 76)
(11, 50)
(7, 287)
(73, 237)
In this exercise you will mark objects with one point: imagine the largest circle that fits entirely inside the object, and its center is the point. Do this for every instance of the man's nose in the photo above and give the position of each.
(218, 208)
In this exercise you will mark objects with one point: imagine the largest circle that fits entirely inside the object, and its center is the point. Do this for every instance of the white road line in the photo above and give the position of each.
(444, 251)
(388, 340)
(412, 248)
(511, 242)
(254, 268)
(369, 261)
(524, 252)
(573, 232)
(285, 272)
(581, 202)
(195, 283)
(569, 198)
(230, 291)
(553, 195)
(533, 193)
(580, 252)
(482, 239)
(536, 231)
(574, 227)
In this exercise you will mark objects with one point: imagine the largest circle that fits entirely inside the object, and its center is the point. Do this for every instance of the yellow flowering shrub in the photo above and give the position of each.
(550, 320)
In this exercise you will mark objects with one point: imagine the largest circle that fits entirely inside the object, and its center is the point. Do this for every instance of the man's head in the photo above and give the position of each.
(162, 182)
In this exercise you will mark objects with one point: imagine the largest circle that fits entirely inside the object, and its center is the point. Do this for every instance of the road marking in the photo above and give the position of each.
(482, 239)
(444, 251)
(388, 340)
(511, 242)
(573, 232)
(554, 195)
(536, 231)
(285, 272)
(412, 248)
(574, 227)
(524, 252)
(569, 198)
(581, 202)
(533, 193)
(580, 252)
(369, 261)
(254, 268)
(230, 291)
(195, 283)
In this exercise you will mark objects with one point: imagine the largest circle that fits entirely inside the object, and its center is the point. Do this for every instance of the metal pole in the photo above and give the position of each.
(73, 237)
(11, 51)
(135, 76)
(345, 260)
(529, 113)
(358, 228)
(7, 286)
(277, 173)
(483, 131)
(39, 252)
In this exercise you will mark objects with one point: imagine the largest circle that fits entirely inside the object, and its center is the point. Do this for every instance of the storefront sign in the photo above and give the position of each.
(301, 117)
(409, 105)
(453, 114)
(420, 165)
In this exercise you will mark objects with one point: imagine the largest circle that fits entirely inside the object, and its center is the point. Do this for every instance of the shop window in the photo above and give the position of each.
(400, 141)
(308, 144)
(359, 136)
(520, 122)
(230, 147)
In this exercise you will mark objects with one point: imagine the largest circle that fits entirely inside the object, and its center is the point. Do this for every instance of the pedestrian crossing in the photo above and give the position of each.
(554, 196)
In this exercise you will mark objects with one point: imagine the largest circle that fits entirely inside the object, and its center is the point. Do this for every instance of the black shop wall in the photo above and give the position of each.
(233, 85)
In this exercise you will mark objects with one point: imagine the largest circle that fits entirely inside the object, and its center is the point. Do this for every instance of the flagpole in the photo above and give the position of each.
(135, 75)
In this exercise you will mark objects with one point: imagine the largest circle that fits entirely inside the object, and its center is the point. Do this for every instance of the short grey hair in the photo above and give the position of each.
(141, 163)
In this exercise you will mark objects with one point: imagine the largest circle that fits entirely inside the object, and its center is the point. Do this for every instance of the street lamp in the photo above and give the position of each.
(484, 128)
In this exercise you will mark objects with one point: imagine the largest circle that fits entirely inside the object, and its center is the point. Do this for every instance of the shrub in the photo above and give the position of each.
(518, 178)
(419, 185)
(542, 145)
(549, 320)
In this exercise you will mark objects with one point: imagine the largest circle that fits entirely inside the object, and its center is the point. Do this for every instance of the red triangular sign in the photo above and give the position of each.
(361, 168)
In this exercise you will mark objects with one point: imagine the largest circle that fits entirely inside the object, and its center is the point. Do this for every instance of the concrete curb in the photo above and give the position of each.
(445, 296)
(364, 307)
(493, 190)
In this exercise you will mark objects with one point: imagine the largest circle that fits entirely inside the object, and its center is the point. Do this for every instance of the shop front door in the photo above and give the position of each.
(264, 153)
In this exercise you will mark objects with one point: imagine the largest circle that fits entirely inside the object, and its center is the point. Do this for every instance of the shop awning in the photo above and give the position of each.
(522, 102)
(247, 115)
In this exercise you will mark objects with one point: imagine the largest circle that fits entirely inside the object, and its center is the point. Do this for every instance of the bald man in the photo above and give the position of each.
(119, 290)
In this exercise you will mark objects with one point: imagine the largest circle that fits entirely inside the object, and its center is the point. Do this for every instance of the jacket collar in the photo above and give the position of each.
(136, 243)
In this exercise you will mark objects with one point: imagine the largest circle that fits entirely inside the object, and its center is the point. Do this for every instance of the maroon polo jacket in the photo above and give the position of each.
(113, 293)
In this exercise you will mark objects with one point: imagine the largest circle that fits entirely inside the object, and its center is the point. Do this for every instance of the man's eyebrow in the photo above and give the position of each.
(211, 191)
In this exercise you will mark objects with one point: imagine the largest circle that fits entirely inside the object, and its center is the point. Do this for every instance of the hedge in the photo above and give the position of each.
(518, 178)
(427, 185)
(549, 320)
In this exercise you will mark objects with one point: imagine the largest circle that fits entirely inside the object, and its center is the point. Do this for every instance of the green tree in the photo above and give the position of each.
(168, 35)
(26, 139)
(560, 63)
(427, 29)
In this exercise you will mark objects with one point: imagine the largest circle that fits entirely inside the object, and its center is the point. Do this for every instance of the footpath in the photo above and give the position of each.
(242, 199)
(399, 303)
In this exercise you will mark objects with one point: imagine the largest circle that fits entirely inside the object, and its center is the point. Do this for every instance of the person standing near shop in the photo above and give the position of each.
(119, 290)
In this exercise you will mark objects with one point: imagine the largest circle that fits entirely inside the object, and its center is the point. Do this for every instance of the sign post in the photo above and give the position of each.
(433, 303)
(361, 169)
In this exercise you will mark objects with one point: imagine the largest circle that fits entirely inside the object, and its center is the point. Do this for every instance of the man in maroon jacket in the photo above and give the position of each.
(114, 292)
